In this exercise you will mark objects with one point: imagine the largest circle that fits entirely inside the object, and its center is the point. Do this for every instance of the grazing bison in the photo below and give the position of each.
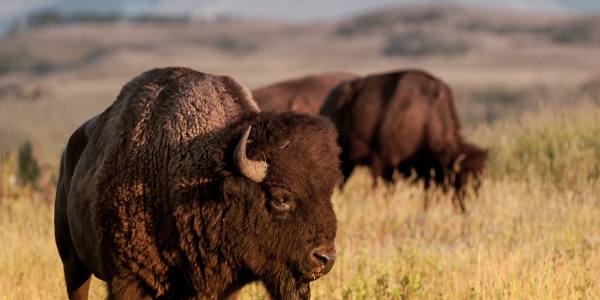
(403, 121)
(305, 94)
(183, 189)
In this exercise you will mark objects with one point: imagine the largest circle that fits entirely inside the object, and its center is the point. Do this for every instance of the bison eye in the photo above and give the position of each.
(280, 204)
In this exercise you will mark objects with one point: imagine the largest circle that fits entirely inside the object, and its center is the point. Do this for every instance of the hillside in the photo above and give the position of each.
(500, 64)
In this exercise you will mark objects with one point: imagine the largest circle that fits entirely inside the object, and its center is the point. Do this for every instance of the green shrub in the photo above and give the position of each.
(577, 32)
(558, 147)
(22, 60)
(498, 95)
(232, 44)
(417, 43)
(29, 170)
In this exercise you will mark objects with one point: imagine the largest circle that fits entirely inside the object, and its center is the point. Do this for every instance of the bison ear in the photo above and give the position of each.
(254, 170)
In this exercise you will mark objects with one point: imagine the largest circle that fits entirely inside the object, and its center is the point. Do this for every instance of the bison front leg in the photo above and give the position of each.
(381, 172)
(80, 293)
(459, 200)
(347, 167)
(77, 276)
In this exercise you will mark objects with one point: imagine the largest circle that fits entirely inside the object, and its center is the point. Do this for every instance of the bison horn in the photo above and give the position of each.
(254, 170)
(457, 162)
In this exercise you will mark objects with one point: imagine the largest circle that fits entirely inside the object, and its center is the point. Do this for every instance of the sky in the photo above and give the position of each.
(292, 10)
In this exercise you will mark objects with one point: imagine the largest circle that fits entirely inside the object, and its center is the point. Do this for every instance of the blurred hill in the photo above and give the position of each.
(57, 74)
(17, 15)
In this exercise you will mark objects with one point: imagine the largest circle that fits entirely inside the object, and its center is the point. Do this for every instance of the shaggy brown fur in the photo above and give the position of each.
(305, 94)
(150, 200)
(407, 121)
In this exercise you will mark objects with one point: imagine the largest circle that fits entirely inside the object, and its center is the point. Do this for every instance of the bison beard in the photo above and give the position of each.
(292, 290)
(183, 189)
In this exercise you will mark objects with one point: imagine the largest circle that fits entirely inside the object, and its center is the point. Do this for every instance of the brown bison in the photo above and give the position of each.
(403, 121)
(183, 189)
(305, 94)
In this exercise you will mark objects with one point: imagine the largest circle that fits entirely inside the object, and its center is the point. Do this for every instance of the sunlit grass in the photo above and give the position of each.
(531, 232)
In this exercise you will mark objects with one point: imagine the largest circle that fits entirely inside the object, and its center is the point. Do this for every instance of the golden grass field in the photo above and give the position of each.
(531, 232)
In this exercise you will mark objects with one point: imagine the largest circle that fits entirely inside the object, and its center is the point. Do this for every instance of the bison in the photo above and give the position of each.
(305, 94)
(184, 189)
(404, 121)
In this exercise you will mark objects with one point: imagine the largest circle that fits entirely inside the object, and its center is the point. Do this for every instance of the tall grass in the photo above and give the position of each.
(558, 148)
(531, 232)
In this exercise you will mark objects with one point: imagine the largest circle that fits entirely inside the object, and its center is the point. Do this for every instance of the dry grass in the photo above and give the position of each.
(532, 231)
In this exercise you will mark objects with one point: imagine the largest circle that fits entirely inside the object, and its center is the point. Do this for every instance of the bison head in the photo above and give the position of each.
(468, 168)
(282, 223)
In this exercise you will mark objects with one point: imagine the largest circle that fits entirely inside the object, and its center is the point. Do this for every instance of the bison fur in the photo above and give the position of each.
(305, 94)
(403, 121)
(155, 198)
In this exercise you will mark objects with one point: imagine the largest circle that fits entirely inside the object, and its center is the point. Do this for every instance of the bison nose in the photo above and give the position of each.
(324, 260)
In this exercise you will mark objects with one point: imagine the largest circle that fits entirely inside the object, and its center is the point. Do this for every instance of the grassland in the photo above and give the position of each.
(527, 87)
(531, 232)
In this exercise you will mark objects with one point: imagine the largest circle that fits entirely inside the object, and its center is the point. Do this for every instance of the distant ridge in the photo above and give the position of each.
(15, 12)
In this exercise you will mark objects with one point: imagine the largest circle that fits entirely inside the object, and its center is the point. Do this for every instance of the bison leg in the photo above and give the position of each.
(347, 167)
(77, 275)
(458, 199)
(81, 292)
(380, 171)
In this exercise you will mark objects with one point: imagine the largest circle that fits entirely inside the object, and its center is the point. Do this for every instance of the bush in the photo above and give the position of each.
(29, 170)
(363, 25)
(229, 44)
(54, 17)
(577, 32)
(22, 60)
(560, 148)
(416, 43)
(233, 44)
